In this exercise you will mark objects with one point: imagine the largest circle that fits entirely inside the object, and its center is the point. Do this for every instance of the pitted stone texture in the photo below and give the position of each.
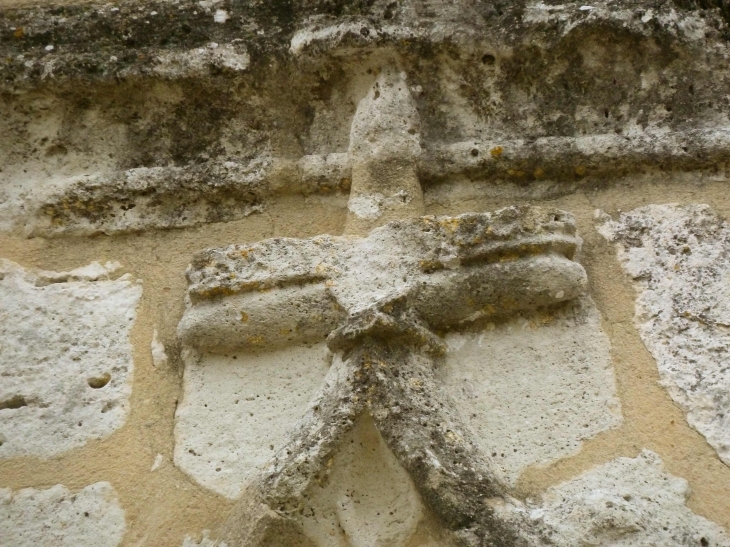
(57, 518)
(236, 411)
(679, 257)
(65, 357)
(628, 502)
(386, 123)
(534, 388)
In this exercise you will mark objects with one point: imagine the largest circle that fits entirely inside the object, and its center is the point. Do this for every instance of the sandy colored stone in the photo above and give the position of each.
(628, 502)
(533, 388)
(678, 258)
(56, 517)
(65, 357)
(205, 541)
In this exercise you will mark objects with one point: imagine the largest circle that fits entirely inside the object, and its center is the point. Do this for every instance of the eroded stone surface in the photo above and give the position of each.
(56, 517)
(65, 357)
(628, 502)
(679, 259)
(268, 85)
(534, 388)
(429, 261)
(237, 410)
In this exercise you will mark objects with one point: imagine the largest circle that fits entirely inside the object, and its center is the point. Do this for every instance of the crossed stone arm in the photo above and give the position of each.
(378, 301)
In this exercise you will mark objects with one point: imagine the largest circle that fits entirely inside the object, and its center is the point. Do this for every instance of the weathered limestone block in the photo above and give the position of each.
(152, 115)
(237, 411)
(628, 502)
(377, 300)
(58, 518)
(385, 143)
(65, 357)
(534, 387)
(679, 258)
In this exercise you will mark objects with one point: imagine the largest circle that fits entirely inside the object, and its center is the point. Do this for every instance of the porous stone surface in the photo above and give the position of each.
(628, 502)
(385, 143)
(512, 259)
(91, 517)
(65, 357)
(679, 258)
(193, 113)
(534, 387)
(237, 411)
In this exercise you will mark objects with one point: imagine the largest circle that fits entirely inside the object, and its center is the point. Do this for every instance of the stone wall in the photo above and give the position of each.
(375, 273)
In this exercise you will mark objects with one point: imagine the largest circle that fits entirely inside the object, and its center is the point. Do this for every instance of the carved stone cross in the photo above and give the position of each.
(380, 302)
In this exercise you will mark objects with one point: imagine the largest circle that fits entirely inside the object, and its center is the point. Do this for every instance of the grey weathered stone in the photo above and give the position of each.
(209, 111)
(56, 517)
(65, 357)
(679, 258)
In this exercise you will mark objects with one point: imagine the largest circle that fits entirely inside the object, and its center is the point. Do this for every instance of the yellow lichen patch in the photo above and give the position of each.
(580, 170)
(496, 151)
(415, 383)
(449, 223)
(19, 33)
(429, 265)
(545, 318)
(451, 436)
(507, 257)
(538, 173)
(256, 340)
(215, 291)
(244, 317)
(516, 173)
